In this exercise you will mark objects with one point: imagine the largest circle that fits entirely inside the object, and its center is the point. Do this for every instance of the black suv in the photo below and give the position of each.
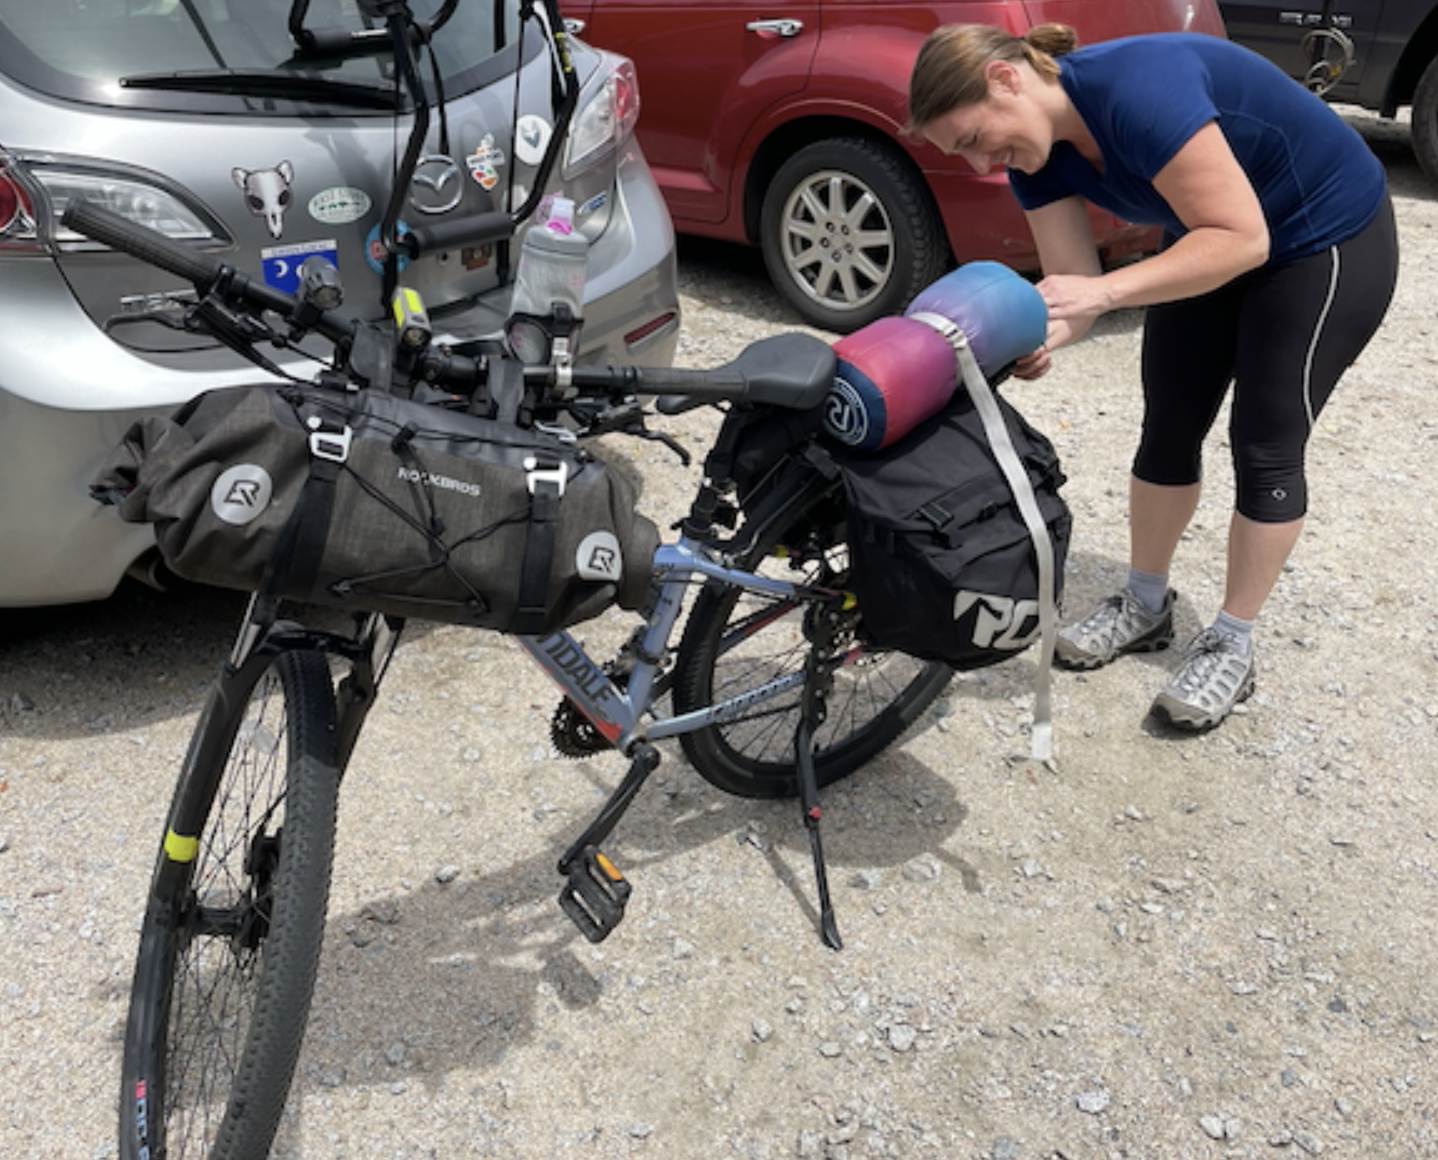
(1378, 54)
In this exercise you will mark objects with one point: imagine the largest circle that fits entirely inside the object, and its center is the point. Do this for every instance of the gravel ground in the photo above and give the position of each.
(1219, 946)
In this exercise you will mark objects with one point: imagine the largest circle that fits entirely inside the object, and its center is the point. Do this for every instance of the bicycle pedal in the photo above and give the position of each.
(595, 895)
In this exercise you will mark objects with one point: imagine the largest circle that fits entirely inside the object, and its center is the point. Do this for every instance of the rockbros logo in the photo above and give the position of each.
(241, 494)
(414, 475)
(599, 558)
(845, 415)
(999, 622)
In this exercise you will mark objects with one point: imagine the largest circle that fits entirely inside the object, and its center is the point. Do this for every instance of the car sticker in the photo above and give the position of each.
(476, 258)
(340, 206)
(485, 161)
(281, 264)
(374, 249)
(531, 138)
(267, 193)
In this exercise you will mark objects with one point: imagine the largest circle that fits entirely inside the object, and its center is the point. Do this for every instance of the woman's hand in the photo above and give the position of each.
(1075, 298)
(1034, 365)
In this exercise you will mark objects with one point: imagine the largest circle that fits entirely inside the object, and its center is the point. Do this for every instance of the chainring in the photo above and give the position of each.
(573, 734)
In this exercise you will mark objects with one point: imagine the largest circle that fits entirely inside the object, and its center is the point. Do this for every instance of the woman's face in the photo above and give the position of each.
(1008, 129)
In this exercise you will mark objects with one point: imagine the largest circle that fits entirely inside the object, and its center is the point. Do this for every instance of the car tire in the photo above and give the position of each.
(1425, 121)
(850, 233)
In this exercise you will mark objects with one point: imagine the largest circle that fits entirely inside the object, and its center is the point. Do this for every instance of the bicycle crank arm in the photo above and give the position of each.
(595, 895)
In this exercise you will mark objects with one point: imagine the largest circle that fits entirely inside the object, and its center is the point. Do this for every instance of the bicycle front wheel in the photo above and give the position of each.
(231, 938)
(736, 641)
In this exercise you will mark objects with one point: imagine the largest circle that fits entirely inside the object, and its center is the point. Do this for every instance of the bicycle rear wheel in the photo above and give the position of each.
(231, 938)
(736, 640)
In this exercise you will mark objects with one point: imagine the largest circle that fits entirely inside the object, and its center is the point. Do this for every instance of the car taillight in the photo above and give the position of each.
(17, 215)
(604, 119)
(55, 183)
(143, 203)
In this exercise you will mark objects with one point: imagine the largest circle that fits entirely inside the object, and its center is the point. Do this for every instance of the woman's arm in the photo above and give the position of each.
(1065, 245)
(1227, 236)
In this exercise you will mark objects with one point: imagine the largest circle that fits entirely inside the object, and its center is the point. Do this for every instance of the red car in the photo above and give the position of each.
(781, 125)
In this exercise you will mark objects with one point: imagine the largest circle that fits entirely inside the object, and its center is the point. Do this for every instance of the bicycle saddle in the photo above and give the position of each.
(794, 371)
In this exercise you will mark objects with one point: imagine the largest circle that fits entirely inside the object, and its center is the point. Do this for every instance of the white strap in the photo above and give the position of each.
(1041, 737)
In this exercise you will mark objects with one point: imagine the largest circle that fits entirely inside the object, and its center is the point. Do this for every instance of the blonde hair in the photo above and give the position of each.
(949, 71)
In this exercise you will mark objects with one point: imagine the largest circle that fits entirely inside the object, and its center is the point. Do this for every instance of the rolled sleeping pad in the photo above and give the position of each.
(896, 372)
(891, 376)
(1001, 313)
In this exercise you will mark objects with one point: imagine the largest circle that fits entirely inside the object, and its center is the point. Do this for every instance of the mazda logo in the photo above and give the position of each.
(438, 184)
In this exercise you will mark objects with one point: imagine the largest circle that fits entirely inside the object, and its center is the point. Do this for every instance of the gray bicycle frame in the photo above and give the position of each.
(618, 712)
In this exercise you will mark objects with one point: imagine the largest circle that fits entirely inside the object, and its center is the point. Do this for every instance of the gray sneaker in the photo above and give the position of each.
(1121, 624)
(1214, 678)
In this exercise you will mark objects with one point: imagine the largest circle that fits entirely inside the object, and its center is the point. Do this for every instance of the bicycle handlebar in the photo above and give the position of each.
(148, 245)
(784, 370)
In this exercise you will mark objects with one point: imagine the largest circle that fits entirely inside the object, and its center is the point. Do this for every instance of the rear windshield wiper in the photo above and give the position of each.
(263, 83)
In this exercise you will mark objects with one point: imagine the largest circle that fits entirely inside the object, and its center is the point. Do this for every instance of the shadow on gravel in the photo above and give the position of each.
(458, 975)
(732, 277)
(139, 657)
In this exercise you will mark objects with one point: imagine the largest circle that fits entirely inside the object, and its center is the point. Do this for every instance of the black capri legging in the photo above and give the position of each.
(1283, 335)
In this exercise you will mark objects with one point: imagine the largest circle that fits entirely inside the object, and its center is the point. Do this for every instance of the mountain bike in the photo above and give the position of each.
(765, 679)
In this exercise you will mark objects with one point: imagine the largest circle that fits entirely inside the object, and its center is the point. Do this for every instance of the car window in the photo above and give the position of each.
(80, 49)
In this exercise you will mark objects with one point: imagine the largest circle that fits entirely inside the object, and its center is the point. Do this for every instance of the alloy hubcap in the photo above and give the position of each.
(837, 240)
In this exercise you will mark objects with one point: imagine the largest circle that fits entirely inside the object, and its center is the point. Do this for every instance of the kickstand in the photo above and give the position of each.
(811, 715)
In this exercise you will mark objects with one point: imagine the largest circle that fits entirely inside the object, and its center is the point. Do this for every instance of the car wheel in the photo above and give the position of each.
(850, 233)
(1425, 121)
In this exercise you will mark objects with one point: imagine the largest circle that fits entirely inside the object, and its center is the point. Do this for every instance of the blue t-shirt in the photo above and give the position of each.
(1144, 97)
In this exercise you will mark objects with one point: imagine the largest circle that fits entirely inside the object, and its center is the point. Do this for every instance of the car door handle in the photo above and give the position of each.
(770, 28)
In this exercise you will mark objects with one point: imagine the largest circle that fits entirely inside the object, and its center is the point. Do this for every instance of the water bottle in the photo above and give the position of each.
(552, 263)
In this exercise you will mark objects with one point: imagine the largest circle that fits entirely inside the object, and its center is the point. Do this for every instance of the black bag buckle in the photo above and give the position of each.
(595, 896)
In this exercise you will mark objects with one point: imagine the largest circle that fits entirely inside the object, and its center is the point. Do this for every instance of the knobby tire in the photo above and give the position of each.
(230, 943)
(735, 641)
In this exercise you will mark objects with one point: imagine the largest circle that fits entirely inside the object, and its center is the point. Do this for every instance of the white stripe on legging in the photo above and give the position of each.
(1317, 334)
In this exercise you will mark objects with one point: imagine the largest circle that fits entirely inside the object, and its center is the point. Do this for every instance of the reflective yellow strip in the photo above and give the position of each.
(406, 302)
(179, 848)
(608, 867)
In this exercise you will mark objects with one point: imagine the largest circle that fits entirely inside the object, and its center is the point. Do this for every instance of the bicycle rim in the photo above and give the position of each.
(231, 938)
(735, 641)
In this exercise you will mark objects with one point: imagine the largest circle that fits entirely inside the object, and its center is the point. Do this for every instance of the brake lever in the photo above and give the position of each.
(665, 438)
(238, 331)
(627, 418)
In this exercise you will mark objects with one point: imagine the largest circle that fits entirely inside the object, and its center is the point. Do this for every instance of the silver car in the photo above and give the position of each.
(195, 119)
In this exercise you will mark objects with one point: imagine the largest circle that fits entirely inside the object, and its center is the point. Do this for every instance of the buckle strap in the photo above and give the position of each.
(546, 481)
(997, 431)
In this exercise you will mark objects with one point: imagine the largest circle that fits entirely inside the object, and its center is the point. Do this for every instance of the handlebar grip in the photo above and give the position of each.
(326, 43)
(148, 245)
(474, 230)
(697, 386)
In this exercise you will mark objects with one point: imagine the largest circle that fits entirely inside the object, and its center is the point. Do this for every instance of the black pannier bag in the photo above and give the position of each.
(942, 561)
(375, 503)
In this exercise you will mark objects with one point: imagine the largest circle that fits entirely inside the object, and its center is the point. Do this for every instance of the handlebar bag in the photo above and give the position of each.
(375, 503)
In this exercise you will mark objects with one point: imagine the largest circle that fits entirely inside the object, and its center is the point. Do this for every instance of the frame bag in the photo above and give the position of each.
(374, 503)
